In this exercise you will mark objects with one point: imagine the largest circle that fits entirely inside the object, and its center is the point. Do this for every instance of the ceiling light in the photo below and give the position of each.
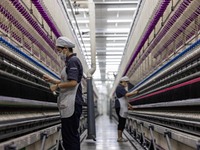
(117, 30)
(84, 14)
(79, 9)
(115, 53)
(104, 51)
(111, 68)
(117, 21)
(115, 44)
(86, 45)
(117, 14)
(116, 38)
(81, 21)
(121, 9)
(87, 49)
(85, 31)
(85, 39)
(114, 62)
(97, 82)
(115, 48)
(109, 60)
(113, 57)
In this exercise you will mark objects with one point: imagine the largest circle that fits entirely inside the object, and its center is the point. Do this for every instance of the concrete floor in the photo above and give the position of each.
(106, 137)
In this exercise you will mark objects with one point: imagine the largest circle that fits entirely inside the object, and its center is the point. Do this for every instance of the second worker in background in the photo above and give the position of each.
(122, 106)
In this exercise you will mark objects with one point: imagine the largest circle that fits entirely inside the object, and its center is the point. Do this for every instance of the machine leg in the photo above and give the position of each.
(153, 144)
(168, 136)
(11, 146)
(43, 137)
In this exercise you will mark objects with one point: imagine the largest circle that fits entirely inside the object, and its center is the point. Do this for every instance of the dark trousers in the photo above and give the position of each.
(70, 134)
(121, 120)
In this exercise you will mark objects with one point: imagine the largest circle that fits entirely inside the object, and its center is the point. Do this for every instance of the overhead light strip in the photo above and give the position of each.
(121, 9)
(80, 10)
(117, 30)
(116, 38)
(81, 21)
(115, 44)
(115, 48)
(119, 21)
(117, 3)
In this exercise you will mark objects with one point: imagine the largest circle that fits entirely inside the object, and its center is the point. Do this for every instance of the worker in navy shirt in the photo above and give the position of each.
(122, 105)
(70, 93)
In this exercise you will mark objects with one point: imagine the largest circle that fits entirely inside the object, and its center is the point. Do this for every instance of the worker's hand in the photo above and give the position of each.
(47, 78)
(130, 107)
(135, 92)
(53, 87)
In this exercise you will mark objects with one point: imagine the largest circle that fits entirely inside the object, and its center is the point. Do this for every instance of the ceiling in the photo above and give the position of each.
(113, 21)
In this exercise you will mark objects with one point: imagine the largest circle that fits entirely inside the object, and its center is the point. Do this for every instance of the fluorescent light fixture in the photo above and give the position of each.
(117, 14)
(99, 86)
(121, 9)
(87, 35)
(115, 44)
(113, 35)
(111, 68)
(119, 21)
(79, 9)
(117, 30)
(115, 53)
(104, 51)
(87, 54)
(116, 38)
(84, 14)
(113, 57)
(85, 39)
(81, 21)
(84, 30)
(109, 60)
(86, 45)
(97, 74)
(115, 48)
(98, 82)
(87, 49)
(113, 63)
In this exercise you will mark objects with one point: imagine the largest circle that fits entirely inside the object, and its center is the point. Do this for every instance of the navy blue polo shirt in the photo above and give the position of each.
(120, 91)
(74, 71)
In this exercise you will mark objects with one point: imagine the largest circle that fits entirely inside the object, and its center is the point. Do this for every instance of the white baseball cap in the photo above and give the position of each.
(125, 78)
(64, 42)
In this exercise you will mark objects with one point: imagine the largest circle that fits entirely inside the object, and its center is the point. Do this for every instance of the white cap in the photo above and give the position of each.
(64, 42)
(124, 78)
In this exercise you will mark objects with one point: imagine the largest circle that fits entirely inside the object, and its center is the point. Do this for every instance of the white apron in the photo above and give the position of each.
(66, 98)
(123, 107)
